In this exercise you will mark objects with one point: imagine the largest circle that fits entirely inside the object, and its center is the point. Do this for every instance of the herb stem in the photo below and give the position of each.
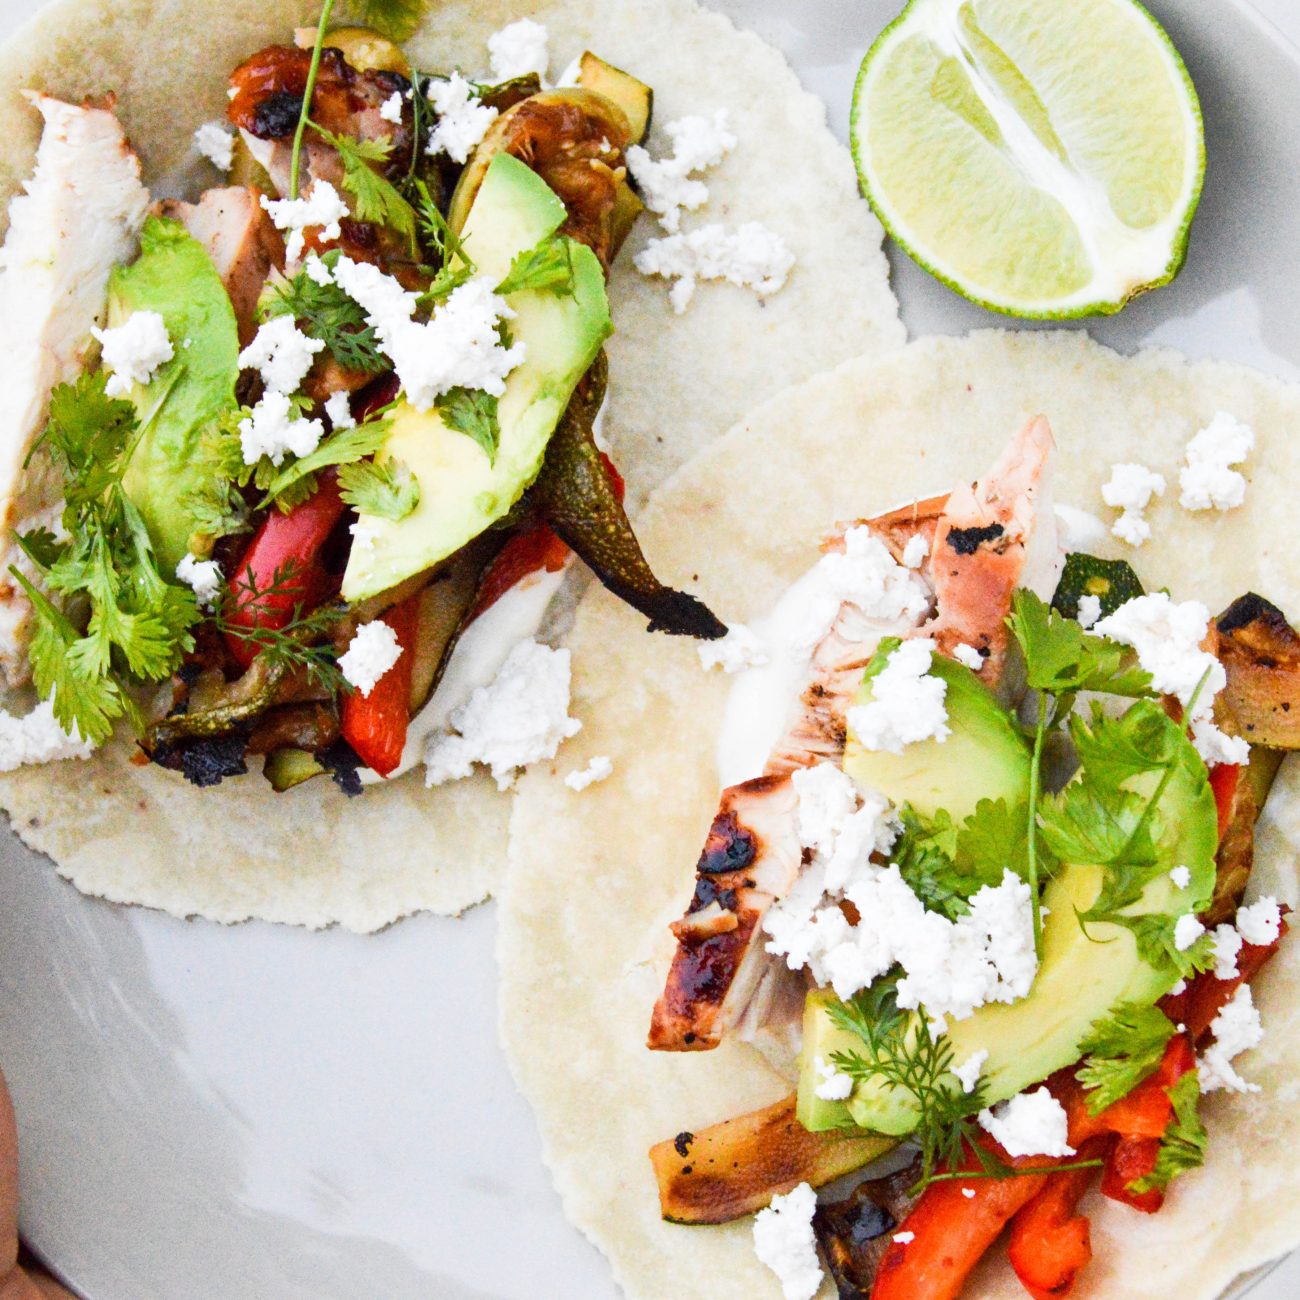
(308, 91)
(1035, 781)
(1010, 1171)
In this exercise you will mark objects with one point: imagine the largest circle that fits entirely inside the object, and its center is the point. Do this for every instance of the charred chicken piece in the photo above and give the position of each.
(1260, 652)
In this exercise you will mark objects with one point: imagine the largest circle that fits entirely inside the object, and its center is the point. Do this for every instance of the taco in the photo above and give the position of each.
(867, 977)
(301, 454)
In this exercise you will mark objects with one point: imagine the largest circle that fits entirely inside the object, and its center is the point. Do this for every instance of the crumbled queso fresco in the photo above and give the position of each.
(1187, 930)
(600, 767)
(274, 429)
(202, 576)
(784, 1240)
(371, 653)
(519, 49)
(391, 109)
(1208, 481)
(338, 406)
(36, 737)
(1030, 1124)
(281, 353)
(915, 551)
(741, 648)
(1129, 491)
(1260, 924)
(1089, 611)
(322, 206)
(907, 704)
(1167, 636)
(834, 1086)
(133, 350)
(1236, 1029)
(969, 1071)
(463, 120)
(668, 185)
(968, 655)
(522, 717)
(216, 144)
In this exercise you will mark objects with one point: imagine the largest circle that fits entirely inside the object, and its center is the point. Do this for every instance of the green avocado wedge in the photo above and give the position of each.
(174, 277)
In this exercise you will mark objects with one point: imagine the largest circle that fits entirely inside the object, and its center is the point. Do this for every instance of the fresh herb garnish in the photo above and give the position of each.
(387, 488)
(308, 91)
(374, 197)
(547, 267)
(397, 20)
(1060, 657)
(136, 626)
(1183, 1146)
(454, 265)
(326, 313)
(1122, 1050)
(472, 412)
(296, 481)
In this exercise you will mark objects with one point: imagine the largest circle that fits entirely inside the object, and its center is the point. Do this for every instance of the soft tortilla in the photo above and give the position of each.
(595, 877)
(311, 858)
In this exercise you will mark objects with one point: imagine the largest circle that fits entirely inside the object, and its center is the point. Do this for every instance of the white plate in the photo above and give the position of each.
(263, 1114)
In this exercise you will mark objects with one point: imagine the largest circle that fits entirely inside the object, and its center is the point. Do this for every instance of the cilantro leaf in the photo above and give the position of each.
(1154, 933)
(398, 20)
(1184, 1144)
(1114, 750)
(546, 267)
(472, 412)
(995, 838)
(374, 197)
(325, 312)
(387, 489)
(343, 447)
(1061, 657)
(1097, 824)
(1121, 1050)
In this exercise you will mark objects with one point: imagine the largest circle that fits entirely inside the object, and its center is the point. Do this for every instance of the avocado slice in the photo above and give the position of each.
(1082, 976)
(461, 492)
(175, 277)
(985, 757)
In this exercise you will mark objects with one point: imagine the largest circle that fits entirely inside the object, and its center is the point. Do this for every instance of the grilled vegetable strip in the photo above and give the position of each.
(581, 500)
(375, 725)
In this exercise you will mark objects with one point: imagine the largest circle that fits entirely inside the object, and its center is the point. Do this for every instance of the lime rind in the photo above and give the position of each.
(1103, 306)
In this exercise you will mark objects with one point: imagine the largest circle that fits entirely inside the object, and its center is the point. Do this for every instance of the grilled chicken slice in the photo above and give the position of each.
(241, 240)
(80, 215)
(984, 541)
(751, 859)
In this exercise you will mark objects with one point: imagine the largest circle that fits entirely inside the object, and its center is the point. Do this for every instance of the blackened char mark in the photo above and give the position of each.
(730, 846)
(705, 969)
(1246, 609)
(708, 889)
(966, 541)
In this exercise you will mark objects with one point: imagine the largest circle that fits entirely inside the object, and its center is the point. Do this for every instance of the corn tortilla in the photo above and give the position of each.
(311, 858)
(594, 878)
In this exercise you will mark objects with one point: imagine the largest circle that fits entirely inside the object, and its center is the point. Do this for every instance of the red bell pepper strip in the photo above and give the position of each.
(1131, 1159)
(1051, 1243)
(375, 725)
(1147, 1110)
(281, 568)
(1207, 996)
(1224, 779)
(951, 1233)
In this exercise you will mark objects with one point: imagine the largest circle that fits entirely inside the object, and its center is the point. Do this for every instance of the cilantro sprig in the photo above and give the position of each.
(387, 488)
(1121, 1050)
(374, 197)
(110, 621)
(1185, 1140)
(547, 267)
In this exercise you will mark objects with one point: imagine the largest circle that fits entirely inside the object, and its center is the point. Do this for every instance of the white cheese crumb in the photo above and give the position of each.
(598, 769)
(1089, 611)
(1261, 922)
(1208, 481)
(1227, 944)
(750, 257)
(216, 144)
(834, 1086)
(968, 655)
(274, 430)
(904, 1238)
(338, 407)
(1167, 637)
(203, 576)
(282, 353)
(1030, 1124)
(321, 207)
(391, 109)
(1236, 1029)
(460, 347)
(1187, 930)
(915, 551)
(36, 737)
(519, 49)
(968, 1072)
(133, 350)
(667, 184)
(1181, 876)
(364, 535)
(968, 1193)
(371, 653)
(741, 648)
(1129, 491)
(1179, 988)
(462, 120)
(520, 718)
(317, 271)
(784, 1240)
(1079, 530)
(828, 797)
(906, 705)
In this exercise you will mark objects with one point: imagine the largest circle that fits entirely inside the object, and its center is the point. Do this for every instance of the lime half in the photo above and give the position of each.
(1042, 157)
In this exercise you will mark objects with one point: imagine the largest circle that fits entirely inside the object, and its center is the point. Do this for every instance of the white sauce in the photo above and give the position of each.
(482, 649)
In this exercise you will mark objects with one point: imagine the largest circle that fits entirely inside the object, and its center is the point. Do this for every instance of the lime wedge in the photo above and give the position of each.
(1043, 158)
